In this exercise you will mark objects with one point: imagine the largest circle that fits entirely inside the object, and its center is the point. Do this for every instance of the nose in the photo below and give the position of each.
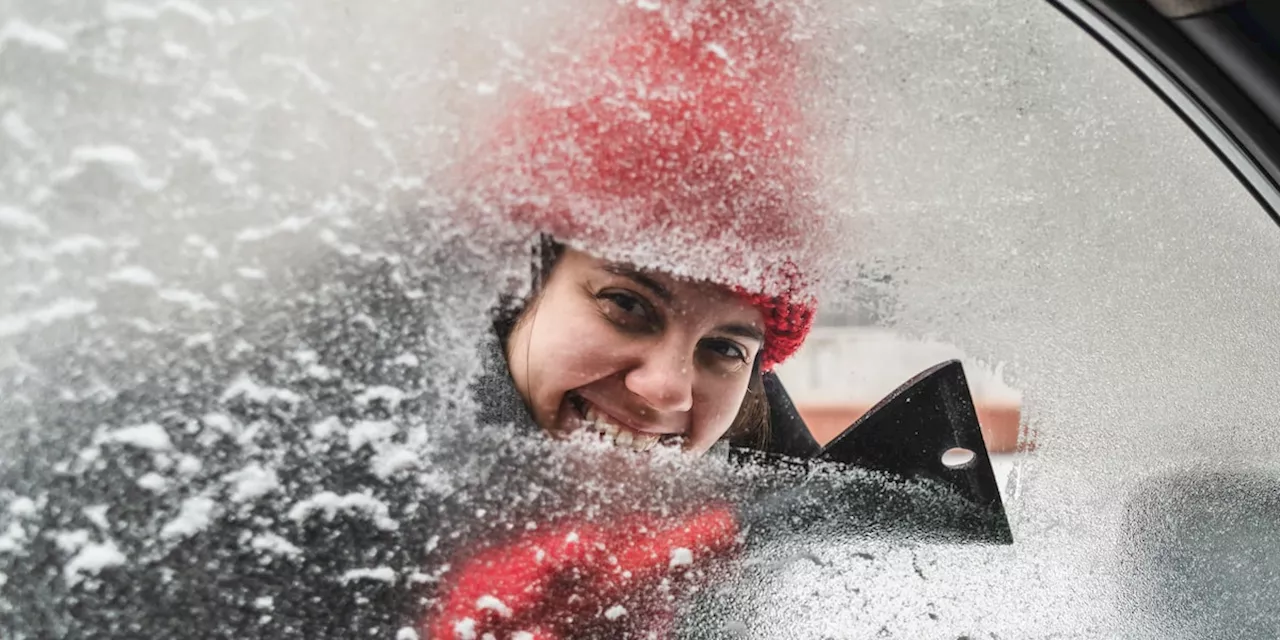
(664, 378)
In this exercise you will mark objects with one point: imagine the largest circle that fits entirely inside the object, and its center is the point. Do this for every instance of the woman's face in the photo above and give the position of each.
(636, 355)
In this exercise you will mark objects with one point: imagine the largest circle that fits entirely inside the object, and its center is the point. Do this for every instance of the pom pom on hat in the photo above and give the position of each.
(676, 137)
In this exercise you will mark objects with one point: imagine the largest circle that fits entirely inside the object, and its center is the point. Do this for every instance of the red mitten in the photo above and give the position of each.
(553, 584)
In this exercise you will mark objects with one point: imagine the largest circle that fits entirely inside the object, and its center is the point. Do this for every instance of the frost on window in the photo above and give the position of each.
(252, 260)
(251, 382)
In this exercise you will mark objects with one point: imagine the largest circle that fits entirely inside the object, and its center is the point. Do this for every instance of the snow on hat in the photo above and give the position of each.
(674, 140)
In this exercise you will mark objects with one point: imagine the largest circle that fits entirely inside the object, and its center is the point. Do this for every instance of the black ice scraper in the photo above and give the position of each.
(903, 436)
(907, 432)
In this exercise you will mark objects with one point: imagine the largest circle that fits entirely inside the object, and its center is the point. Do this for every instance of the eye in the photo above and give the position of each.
(628, 310)
(726, 349)
(626, 302)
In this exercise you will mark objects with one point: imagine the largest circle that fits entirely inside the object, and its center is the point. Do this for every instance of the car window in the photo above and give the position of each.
(1027, 200)
(248, 358)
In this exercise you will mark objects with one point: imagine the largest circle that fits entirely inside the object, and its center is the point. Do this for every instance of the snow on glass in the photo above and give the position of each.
(240, 320)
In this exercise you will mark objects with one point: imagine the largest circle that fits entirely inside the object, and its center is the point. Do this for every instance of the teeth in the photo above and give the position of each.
(642, 442)
(618, 436)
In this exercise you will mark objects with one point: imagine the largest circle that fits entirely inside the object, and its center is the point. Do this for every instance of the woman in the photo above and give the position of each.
(667, 176)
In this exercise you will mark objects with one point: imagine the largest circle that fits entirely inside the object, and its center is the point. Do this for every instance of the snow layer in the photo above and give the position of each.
(18, 32)
(680, 557)
(134, 275)
(150, 436)
(490, 603)
(60, 310)
(92, 559)
(153, 482)
(329, 504)
(194, 516)
(378, 574)
(275, 544)
(22, 507)
(16, 219)
(252, 482)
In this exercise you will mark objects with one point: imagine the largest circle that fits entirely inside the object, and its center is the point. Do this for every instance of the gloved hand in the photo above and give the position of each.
(576, 579)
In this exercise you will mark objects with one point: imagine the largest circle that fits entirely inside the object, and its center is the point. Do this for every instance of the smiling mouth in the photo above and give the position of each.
(596, 422)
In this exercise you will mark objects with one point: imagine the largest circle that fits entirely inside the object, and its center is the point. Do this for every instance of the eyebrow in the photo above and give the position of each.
(744, 331)
(642, 279)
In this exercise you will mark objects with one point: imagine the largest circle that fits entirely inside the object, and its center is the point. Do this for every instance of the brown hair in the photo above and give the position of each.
(750, 427)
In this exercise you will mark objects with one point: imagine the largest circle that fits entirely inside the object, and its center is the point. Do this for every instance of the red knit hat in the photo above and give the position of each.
(675, 141)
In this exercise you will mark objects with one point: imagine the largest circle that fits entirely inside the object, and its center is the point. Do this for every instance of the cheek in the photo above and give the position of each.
(570, 348)
(715, 409)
